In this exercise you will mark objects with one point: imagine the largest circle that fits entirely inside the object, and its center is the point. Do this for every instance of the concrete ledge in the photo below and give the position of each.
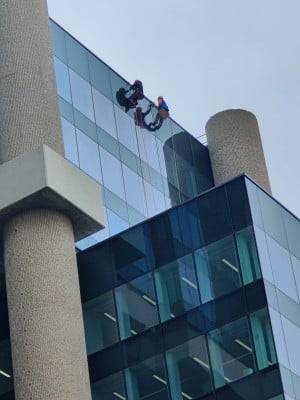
(44, 179)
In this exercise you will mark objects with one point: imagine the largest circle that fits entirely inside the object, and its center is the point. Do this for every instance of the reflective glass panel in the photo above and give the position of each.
(82, 95)
(263, 339)
(176, 288)
(134, 189)
(104, 112)
(62, 80)
(282, 268)
(115, 223)
(136, 306)
(112, 173)
(231, 352)
(109, 388)
(126, 130)
(189, 370)
(248, 255)
(292, 225)
(89, 156)
(100, 322)
(70, 142)
(217, 269)
(147, 380)
(99, 75)
(58, 40)
(77, 57)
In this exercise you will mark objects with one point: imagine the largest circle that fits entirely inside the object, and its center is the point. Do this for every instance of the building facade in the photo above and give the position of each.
(192, 291)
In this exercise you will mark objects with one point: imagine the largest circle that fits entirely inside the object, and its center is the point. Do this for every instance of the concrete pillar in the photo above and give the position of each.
(47, 336)
(235, 147)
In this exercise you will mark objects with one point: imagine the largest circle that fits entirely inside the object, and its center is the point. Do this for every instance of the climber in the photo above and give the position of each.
(136, 94)
(162, 114)
(139, 116)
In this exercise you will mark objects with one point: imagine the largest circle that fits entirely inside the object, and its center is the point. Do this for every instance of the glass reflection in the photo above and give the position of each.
(136, 306)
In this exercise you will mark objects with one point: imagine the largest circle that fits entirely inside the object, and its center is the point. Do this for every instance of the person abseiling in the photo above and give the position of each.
(162, 114)
(137, 94)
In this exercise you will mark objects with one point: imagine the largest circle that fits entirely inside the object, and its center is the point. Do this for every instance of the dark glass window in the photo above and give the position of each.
(100, 322)
(189, 370)
(231, 352)
(6, 379)
(214, 215)
(111, 387)
(248, 255)
(136, 306)
(147, 380)
(238, 203)
(176, 288)
(217, 269)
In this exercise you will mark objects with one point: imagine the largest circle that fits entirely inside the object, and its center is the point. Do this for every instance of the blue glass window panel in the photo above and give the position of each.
(58, 40)
(115, 223)
(292, 225)
(66, 110)
(215, 221)
(85, 125)
(89, 156)
(296, 269)
(134, 189)
(116, 83)
(155, 200)
(132, 256)
(189, 370)
(104, 112)
(147, 380)
(170, 165)
(111, 387)
(264, 258)
(116, 204)
(100, 77)
(273, 218)
(253, 196)
(231, 352)
(218, 269)
(176, 288)
(136, 306)
(165, 132)
(238, 203)
(108, 142)
(263, 339)
(135, 217)
(112, 173)
(248, 255)
(101, 235)
(100, 322)
(126, 130)
(70, 142)
(148, 148)
(292, 334)
(279, 337)
(189, 223)
(62, 80)
(82, 95)
(130, 159)
(77, 57)
(282, 268)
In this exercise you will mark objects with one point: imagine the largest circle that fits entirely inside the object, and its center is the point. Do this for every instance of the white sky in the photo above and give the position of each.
(205, 56)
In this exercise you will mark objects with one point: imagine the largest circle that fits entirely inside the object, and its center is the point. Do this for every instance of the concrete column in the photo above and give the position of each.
(235, 147)
(48, 346)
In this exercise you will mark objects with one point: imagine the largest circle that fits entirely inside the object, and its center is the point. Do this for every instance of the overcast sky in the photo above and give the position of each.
(205, 56)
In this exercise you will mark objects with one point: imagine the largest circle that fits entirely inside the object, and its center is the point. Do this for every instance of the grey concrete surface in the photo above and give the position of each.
(46, 326)
(44, 179)
(235, 147)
